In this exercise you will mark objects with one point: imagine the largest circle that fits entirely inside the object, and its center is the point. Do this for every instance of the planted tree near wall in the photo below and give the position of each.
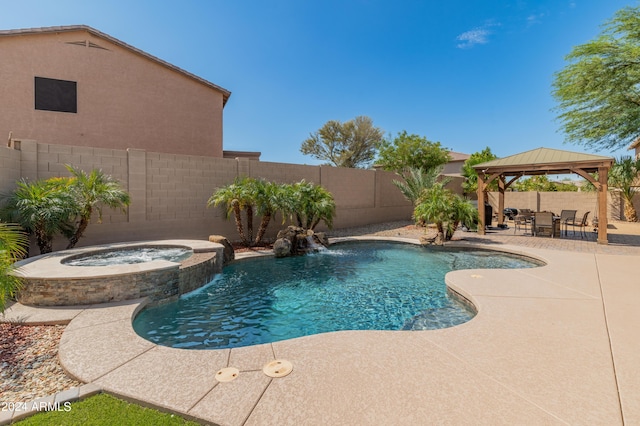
(416, 182)
(406, 152)
(62, 205)
(237, 198)
(42, 209)
(470, 185)
(13, 247)
(91, 192)
(310, 204)
(268, 198)
(623, 175)
(353, 143)
(445, 209)
(417, 160)
(303, 203)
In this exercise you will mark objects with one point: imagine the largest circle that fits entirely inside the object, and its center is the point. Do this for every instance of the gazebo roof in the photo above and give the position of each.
(545, 160)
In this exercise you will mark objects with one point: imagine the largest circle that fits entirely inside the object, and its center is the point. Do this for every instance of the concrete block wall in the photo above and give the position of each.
(351, 188)
(283, 173)
(169, 192)
(9, 168)
(179, 186)
(33, 161)
(388, 194)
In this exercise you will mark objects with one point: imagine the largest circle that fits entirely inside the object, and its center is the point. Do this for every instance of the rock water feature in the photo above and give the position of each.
(295, 240)
(228, 252)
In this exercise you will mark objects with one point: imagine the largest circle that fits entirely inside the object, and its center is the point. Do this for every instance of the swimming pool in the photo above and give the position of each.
(351, 286)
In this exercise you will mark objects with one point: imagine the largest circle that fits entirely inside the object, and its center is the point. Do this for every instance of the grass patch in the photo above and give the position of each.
(104, 409)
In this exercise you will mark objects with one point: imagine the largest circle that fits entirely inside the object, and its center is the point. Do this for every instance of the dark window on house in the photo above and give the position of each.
(56, 95)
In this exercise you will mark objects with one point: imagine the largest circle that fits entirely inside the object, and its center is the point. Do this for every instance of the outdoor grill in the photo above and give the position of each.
(510, 212)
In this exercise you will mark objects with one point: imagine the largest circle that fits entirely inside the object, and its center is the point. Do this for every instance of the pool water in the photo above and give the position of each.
(351, 286)
(131, 256)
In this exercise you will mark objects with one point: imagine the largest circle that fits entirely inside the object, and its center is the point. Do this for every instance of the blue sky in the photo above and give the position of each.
(468, 74)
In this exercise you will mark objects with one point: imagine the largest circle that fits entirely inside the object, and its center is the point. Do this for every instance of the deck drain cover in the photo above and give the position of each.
(278, 368)
(227, 374)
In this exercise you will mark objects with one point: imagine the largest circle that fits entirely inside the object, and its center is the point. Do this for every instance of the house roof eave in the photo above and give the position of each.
(74, 28)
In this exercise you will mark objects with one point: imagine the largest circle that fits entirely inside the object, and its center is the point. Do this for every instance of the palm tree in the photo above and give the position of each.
(93, 190)
(13, 247)
(310, 204)
(623, 175)
(268, 200)
(234, 198)
(435, 206)
(41, 208)
(416, 181)
(444, 208)
(463, 211)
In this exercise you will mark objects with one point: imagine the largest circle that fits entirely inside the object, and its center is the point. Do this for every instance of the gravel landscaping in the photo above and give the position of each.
(29, 362)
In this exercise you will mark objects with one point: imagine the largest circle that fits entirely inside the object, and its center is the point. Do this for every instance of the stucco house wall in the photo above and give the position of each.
(126, 98)
(454, 166)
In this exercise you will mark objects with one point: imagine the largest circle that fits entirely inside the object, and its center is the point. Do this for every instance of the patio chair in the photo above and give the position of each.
(566, 216)
(523, 219)
(582, 225)
(543, 223)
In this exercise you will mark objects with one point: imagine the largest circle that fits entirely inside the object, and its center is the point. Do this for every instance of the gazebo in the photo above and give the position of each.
(543, 161)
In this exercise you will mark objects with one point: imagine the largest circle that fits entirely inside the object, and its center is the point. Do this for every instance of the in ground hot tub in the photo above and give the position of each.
(160, 270)
(129, 255)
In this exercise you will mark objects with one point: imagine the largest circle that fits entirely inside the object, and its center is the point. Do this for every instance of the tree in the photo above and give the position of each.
(236, 198)
(43, 209)
(543, 184)
(416, 181)
(268, 198)
(598, 91)
(407, 151)
(470, 185)
(444, 208)
(623, 174)
(309, 204)
(353, 143)
(13, 247)
(91, 191)
(462, 212)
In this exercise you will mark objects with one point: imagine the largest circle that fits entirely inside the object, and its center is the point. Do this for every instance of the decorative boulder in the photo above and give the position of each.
(432, 240)
(300, 241)
(282, 247)
(322, 238)
(228, 252)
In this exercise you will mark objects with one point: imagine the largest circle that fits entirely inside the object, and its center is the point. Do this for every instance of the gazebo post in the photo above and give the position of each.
(481, 200)
(603, 190)
(501, 187)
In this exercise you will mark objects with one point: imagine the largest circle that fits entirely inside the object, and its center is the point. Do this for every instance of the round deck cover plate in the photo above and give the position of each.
(278, 368)
(227, 374)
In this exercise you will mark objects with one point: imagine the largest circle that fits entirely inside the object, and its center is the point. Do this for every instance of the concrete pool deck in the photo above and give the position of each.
(551, 345)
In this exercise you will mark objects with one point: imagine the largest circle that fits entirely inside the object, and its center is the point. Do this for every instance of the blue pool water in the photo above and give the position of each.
(351, 286)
